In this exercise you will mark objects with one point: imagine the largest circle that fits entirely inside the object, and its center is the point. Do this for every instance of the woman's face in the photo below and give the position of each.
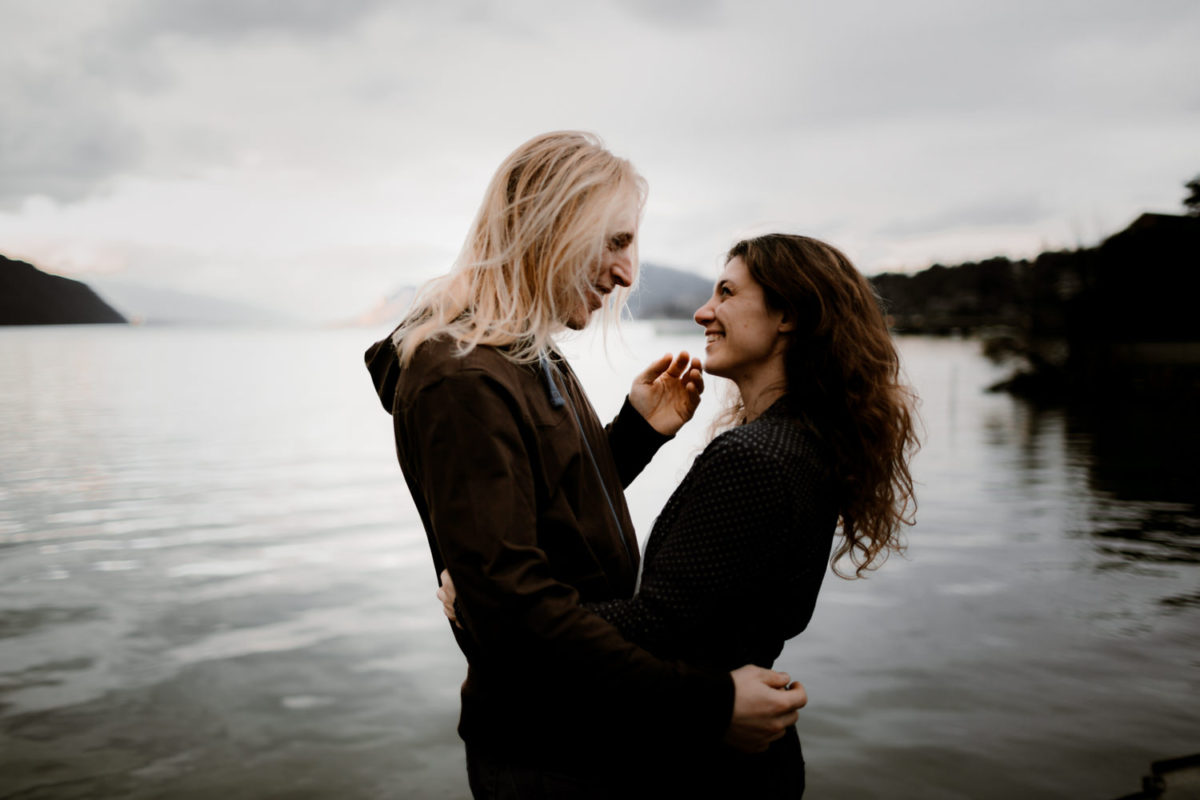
(742, 334)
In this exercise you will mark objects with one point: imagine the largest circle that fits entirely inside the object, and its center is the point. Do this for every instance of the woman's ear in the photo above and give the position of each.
(787, 324)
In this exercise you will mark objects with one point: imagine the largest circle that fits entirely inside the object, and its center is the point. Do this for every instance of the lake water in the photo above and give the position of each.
(213, 583)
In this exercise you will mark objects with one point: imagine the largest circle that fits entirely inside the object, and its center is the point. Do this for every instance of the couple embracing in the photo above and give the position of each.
(583, 682)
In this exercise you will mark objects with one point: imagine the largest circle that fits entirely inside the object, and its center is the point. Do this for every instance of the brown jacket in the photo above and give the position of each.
(519, 489)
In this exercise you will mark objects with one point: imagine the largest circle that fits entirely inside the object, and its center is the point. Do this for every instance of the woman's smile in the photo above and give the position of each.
(741, 334)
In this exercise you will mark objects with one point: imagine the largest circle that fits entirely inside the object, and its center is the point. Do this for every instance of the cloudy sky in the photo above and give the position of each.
(312, 155)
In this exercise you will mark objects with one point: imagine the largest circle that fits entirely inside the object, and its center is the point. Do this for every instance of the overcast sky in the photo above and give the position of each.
(312, 156)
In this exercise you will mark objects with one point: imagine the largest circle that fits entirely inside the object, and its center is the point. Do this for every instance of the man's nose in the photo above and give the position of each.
(622, 271)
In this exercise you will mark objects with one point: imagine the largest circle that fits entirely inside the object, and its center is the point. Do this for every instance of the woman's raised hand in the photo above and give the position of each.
(668, 392)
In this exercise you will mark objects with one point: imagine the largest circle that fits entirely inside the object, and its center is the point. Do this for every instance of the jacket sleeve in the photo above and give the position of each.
(471, 452)
(736, 542)
(633, 442)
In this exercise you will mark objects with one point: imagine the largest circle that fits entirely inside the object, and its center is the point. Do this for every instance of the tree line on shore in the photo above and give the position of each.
(1120, 315)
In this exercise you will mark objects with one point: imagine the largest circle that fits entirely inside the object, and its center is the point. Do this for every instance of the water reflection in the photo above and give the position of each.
(1137, 475)
(206, 591)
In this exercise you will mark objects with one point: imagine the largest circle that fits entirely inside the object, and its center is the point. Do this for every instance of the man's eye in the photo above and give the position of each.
(620, 241)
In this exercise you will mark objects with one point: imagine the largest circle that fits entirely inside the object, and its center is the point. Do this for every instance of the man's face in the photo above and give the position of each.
(615, 268)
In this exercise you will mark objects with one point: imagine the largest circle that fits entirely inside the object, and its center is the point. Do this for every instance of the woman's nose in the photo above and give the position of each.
(703, 314)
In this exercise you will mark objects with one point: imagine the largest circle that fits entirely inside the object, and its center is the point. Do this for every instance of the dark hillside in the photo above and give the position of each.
(666, 293)
(29, 296)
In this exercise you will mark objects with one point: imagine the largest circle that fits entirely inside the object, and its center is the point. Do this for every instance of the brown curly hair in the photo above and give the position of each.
(843, 380)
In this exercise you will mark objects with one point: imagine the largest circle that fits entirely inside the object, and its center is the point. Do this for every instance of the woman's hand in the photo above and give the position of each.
(668, 392)
(447, 595)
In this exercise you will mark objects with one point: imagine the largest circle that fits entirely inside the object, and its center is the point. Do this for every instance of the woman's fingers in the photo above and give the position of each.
(679, 364)
(656, 368)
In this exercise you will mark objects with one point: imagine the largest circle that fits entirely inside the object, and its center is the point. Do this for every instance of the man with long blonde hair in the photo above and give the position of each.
(519, 488)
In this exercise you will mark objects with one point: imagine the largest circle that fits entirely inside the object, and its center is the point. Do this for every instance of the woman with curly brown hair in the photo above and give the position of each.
(817, 438)
(842, 375)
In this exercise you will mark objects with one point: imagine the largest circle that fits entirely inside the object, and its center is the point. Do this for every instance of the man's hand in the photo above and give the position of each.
(764, 705)
(667, 393)
(447, 595)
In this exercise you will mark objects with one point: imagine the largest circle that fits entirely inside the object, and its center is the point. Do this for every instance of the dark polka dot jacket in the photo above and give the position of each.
(735, 560)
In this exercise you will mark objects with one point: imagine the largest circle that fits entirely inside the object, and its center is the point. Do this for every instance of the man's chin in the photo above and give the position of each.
(580, 319)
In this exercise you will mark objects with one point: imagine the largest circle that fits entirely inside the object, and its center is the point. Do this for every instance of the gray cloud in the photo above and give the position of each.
(65, 158)
(224, 19)
(1024, 210)
(677, 13)
(61, 135)
(854, 60)
(69, 83)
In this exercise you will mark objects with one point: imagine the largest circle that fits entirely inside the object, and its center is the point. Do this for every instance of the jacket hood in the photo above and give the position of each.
(383, 362)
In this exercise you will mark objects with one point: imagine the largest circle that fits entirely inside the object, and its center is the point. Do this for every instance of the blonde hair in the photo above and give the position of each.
(528, 259)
